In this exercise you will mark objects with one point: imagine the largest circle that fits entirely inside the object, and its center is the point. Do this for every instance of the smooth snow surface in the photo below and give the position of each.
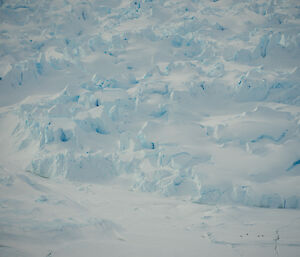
(196, 102)
(57, 218)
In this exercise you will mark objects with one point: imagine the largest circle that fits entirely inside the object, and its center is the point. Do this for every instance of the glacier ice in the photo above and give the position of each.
(184, 100)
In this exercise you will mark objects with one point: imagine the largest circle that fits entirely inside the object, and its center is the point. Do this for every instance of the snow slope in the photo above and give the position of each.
(50, 218)
(197, 101)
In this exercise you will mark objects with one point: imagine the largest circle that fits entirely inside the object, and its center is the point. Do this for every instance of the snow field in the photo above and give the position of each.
(105, 106)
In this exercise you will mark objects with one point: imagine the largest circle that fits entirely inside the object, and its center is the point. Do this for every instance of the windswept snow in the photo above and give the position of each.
(59, 218)
(197, 101)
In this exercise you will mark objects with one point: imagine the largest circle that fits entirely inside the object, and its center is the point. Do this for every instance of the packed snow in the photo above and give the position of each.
(149, 128)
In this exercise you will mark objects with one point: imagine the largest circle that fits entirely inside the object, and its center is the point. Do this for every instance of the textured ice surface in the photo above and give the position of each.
(193, 99)
(103, 102)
